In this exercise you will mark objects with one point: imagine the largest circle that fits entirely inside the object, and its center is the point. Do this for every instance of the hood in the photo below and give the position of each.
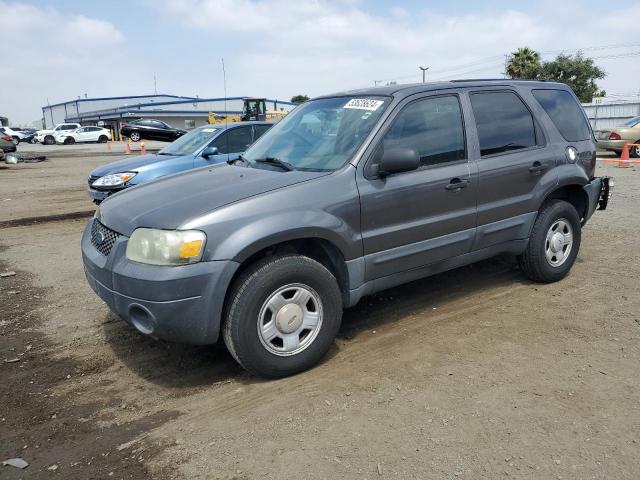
(171, 201)
(42, 132)
(131, 164)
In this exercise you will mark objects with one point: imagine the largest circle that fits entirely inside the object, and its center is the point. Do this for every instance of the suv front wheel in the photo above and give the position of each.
(553, 244)
(282, 315)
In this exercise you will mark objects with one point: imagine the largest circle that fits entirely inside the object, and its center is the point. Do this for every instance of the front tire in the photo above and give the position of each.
(49, 140)
(69, 141)
(134, 136)
(553, 244)
(634, 152)
(282, 315)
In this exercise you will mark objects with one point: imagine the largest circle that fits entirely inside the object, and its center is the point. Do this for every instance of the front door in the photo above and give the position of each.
(230, 144)
(416, 218)
(515, 162)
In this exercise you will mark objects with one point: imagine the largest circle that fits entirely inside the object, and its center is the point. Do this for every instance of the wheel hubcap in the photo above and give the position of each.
(559, 242)
(290, 319)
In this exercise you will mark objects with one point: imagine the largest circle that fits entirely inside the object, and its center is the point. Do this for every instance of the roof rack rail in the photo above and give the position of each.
(496, 80)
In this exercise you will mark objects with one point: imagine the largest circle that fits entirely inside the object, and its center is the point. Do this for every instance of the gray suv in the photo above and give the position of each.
(348, 195)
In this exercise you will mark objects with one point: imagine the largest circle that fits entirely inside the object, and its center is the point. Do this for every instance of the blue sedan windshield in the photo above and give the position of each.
(190, 142)
(320, 135)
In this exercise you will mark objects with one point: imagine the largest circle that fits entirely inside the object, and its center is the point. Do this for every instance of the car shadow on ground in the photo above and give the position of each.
(185, 366)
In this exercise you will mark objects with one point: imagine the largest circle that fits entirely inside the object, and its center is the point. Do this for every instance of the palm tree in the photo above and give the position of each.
(524, 63)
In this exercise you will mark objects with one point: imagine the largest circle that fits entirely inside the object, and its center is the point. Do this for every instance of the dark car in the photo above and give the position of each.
(348, 195)
(149, 129)
(7, 145)
(200, 147)
(29, 134)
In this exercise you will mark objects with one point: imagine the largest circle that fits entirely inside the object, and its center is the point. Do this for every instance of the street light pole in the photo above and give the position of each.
(424, 70)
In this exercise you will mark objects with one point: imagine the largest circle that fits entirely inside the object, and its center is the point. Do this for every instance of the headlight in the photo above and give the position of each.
(114, 179)
(166, 247)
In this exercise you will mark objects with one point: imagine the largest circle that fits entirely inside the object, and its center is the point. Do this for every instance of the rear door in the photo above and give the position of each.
(259, 130)
(515, 161)
(416, 218)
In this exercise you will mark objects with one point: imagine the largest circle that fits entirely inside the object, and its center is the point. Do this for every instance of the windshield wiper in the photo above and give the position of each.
(277, 162)
(165, 153)
(239, 158)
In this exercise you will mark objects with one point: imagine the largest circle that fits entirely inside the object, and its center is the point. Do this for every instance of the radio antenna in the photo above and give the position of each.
(226, 115)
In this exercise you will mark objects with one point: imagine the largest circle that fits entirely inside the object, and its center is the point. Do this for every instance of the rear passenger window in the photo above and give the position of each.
(432, 127)
(565, 113)
(503, 121)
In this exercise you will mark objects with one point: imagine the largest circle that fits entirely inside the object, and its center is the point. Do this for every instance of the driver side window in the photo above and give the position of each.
(432, 127)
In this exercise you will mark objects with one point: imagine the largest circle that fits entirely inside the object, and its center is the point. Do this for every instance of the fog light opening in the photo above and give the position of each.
(142, 319)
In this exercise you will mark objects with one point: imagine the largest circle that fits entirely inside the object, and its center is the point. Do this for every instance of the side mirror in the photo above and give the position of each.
(398, 160)
(209, 152)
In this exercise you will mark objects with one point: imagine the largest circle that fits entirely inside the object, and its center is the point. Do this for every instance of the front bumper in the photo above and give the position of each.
(599, 191)
(99, 195)
(182, 304)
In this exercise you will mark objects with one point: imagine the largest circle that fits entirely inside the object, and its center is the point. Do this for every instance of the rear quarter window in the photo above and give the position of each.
(565, 113)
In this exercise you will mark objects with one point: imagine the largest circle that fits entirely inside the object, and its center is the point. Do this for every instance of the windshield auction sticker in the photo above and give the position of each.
(364, 104)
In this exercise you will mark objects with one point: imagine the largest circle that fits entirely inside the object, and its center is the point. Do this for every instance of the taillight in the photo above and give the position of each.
(7, 138)
(614, 136)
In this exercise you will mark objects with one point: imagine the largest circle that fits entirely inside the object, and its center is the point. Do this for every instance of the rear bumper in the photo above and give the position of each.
(182, 304)
(599, 192)
(616, 145)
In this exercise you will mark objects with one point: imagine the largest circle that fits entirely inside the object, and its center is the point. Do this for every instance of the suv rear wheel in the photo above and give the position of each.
(553, 244)
(282, 315)
(134, 136)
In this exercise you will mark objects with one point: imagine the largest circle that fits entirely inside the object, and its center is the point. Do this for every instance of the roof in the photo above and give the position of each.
(412, 88)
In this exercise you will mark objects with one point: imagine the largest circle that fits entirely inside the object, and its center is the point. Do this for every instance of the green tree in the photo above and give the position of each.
(577, 71)
(299, 98)
(524, 63)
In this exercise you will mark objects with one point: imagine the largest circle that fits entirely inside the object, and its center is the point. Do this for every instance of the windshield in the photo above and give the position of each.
(320, 135)
(631, 122)
(190, 142)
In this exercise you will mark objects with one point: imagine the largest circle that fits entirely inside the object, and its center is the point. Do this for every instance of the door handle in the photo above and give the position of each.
(537, 167)
(457, 184)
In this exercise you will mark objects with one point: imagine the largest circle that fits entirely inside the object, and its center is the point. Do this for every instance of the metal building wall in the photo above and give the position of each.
(608, 115)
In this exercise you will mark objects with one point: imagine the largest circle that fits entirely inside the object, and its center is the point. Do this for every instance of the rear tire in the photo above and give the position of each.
(282, 315)
(15, 140)
(102, 139)
(69, 141)
(553, 244)
(134, 136)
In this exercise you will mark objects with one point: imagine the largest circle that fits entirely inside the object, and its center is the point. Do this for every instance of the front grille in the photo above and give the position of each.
(92, 179)
(103, 238)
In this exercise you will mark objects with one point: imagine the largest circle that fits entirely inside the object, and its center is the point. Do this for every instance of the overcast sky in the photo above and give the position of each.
(58, 50)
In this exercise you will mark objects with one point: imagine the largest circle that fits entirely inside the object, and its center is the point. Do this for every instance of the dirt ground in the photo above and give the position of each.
(475, 373)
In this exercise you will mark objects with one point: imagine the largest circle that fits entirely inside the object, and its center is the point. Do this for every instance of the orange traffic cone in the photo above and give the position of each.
(127, 148)
(624, 157)
(143, 150)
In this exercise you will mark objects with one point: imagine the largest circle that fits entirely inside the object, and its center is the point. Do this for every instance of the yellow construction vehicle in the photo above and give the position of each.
(252, 109)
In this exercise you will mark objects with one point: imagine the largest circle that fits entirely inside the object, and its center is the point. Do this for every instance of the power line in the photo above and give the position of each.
(490, 63)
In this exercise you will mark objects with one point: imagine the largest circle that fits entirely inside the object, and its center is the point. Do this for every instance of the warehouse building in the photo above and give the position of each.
(177, 111)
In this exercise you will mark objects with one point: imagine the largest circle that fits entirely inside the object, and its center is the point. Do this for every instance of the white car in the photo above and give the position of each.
(83, 134)
(15, 135)
(48, 136)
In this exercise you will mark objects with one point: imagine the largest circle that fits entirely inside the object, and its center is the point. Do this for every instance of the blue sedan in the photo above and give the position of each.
(201, 147)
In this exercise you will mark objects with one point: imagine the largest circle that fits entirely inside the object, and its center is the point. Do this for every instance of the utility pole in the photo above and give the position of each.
(424, 70)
